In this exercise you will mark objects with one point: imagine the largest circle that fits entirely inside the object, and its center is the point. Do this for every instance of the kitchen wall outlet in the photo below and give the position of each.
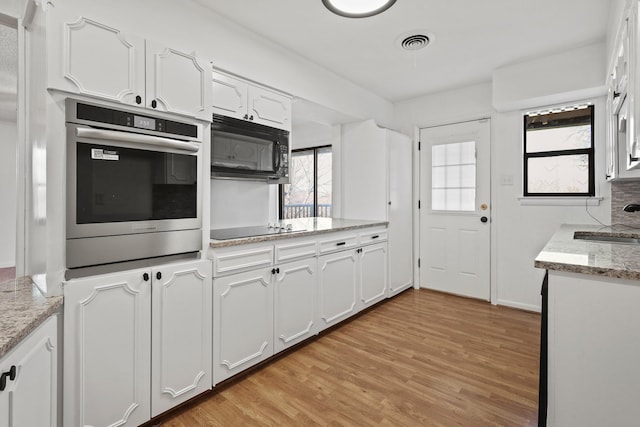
(506, 179)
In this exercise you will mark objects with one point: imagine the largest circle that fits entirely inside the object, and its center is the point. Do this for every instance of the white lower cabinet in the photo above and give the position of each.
(181, 334)
(29, 397)
(373, 277)
(108, 355)
(337, 286)
(295, 303)
(242, 322)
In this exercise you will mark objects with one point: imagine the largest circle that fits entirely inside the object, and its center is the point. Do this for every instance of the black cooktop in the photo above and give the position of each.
(240, 232)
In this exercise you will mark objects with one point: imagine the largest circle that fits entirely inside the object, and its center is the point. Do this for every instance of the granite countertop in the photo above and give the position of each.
(22, 309)
(564, 253)
(308, 226)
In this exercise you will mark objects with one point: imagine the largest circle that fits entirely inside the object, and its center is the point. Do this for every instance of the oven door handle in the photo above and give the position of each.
(114, 135)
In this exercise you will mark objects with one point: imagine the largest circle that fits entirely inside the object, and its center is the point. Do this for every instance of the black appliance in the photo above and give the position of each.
(242, 149)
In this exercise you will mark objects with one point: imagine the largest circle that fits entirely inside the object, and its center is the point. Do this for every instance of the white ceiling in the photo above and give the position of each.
(471, 38)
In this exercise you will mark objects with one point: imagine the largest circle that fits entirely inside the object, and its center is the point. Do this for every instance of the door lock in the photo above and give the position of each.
(484, 219)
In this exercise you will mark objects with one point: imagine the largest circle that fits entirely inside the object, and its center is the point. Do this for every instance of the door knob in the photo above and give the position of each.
(484, 219)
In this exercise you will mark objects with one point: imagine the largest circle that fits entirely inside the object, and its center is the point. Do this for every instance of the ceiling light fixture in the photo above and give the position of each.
(358, 8)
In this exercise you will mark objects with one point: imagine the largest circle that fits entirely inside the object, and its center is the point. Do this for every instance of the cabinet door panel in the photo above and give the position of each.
(178, 82)
(98, 60)
(31, 398)
(337, 283)
(106, 350)
(269, 108)
(181, 340)
(243, 322)
(229, 96)
(373, 274)
(295, 303)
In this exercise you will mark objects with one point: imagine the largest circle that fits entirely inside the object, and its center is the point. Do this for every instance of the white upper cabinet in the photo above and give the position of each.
(238, 98)
(623, 111)
(101, 61)
(177, 82)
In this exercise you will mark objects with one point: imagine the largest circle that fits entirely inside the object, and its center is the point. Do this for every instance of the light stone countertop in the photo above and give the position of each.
(564, 253)
(22, 309)
(311, 226)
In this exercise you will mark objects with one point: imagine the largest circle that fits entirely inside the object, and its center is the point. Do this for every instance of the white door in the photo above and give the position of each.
(455, 221)
(181, 333)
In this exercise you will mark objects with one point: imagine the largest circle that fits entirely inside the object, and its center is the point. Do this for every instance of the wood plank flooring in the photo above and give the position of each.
(422, 358)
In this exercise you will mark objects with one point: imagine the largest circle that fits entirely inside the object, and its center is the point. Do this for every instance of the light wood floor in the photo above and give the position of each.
(422, 358)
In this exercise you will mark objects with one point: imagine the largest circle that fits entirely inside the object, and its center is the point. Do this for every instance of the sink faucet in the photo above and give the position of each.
(631, 207)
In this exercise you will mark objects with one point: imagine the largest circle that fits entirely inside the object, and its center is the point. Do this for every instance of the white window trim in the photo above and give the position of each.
(560, 201)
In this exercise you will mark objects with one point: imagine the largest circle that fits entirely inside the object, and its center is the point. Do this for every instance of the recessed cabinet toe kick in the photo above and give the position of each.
(272, 295)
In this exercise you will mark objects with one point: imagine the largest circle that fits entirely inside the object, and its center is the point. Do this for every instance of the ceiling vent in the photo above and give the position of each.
(414, 40)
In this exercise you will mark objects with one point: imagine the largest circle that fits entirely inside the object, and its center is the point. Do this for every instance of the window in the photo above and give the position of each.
(309, 191)
(453, 176)
(558, 152)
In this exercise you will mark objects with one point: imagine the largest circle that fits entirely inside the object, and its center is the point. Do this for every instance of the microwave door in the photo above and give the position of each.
(237, 153)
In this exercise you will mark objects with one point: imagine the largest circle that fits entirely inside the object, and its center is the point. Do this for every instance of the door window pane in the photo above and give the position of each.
(453, 176)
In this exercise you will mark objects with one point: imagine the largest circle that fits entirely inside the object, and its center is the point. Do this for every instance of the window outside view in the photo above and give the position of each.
(559, 174)
(559, 152)
(309, 192)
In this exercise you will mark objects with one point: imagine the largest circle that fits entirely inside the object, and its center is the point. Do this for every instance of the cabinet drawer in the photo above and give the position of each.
(229, 261)
(374, 235)
(295, 250)
(338, 242)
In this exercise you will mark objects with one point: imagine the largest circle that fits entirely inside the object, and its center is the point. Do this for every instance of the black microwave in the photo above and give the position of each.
(242, 149)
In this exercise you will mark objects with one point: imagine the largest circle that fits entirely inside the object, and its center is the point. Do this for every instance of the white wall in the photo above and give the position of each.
(518, 231)
(8, 141)
(242, 203)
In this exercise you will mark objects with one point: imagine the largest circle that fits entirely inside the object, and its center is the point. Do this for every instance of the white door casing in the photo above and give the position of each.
(455, 220)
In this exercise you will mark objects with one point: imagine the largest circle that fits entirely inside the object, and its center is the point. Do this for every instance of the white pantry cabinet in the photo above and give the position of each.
(241, 99)
(113, 374)
(30, 393)
(377, 185)
(181, 333)
(91, 58)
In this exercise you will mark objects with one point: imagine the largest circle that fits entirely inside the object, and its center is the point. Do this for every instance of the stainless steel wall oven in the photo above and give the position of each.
(134, 187)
